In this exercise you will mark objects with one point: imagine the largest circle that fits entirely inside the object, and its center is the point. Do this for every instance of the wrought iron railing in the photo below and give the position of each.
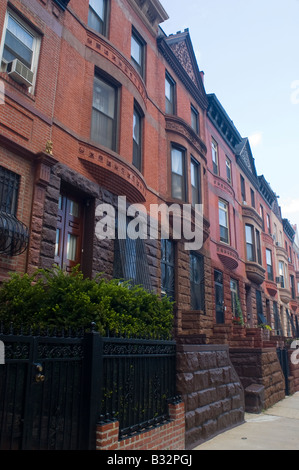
(138, 382)
(55, 387)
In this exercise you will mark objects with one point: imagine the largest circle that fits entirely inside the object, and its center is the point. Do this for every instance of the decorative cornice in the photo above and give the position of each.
(151, 12)
(288, 230)
(107, 51)
(228, 256)
(112, 172)
(179, 126)
(222, 122)
(266, 191)
(250, 213)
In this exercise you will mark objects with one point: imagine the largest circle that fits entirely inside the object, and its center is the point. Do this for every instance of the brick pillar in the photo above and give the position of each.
(44, 163)
(107, 436)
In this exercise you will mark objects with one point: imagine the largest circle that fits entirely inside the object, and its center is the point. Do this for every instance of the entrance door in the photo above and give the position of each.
(69, 232)
(219, 302)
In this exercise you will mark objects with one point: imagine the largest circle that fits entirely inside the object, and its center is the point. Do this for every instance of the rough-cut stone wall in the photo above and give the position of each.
(211, 391)
(260, 366)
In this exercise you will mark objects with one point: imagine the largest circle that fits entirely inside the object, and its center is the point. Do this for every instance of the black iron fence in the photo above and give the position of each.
(139, 381)
(54, 389)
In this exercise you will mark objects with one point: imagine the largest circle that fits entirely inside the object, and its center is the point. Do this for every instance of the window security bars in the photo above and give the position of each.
(14, 234)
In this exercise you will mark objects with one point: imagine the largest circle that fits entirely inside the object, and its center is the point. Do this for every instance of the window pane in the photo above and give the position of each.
(177, 161)
(99, 7)
(169, 95)
(249, 237)
(104, 98)
(71, 247)
(74, 208)
(136, 127)
(136, 50)
(57, 242)
(20, 33)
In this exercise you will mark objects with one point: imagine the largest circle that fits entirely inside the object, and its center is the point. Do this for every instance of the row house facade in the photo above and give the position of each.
(99, 103)
(252, 247)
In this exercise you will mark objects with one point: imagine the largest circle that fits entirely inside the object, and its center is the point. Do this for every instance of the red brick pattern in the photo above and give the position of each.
(169, 436)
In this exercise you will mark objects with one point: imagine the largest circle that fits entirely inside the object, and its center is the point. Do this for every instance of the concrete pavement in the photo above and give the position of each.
(275, 429)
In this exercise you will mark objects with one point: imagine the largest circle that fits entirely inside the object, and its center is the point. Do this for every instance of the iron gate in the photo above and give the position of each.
(41, 393)
(284, 363)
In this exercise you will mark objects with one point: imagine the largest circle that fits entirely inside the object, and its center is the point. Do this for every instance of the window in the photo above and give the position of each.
(277, 321)
(259, 307)
(137, 52)
(243, 191)
(14, 235)
(269, 264)
(250, 249)
(234, 296)
(197, 281)
(69, 232)
(268, 224)
(262, 216)
(292, 284)
(137, 138)
(228, 170)
(130, 259)
(194, 119)
(97, 16)
(223, 222)
(103, 125)
(215, 156)
(258, 247)
(169, 95)
(178, 184)
(168, 268)
(252, 196)
(281, 273)
(9, 191)
(21, 42)
(195, 182)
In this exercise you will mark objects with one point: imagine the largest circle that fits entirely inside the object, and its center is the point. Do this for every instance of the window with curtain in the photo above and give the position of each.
(195, 182)
(223, 221)
(269, 264)
(215, 157)
(178, 182)
(250, 249)
(103, 124)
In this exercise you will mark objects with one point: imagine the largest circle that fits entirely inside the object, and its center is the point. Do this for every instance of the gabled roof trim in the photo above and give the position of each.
(198, 93)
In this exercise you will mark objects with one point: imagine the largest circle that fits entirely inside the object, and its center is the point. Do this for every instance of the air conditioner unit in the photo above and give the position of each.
(20, 73)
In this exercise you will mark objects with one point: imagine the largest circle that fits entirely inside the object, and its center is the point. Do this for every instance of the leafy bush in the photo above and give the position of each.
(52, 298)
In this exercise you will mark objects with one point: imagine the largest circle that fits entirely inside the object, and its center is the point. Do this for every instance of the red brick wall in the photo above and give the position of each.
(170, 436)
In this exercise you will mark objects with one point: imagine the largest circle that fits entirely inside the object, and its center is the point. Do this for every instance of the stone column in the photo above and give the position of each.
(44, 163)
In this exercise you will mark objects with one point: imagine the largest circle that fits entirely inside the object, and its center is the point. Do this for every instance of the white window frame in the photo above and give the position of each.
(36, 44)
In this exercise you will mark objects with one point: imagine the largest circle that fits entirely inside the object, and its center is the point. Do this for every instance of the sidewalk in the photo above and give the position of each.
(275, 429)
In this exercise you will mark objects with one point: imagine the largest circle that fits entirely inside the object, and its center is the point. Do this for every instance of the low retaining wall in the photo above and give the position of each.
(260, 366)
(168, 436)
(210, 389)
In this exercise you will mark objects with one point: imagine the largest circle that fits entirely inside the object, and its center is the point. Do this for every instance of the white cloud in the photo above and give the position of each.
(256, 139)
(290, 209)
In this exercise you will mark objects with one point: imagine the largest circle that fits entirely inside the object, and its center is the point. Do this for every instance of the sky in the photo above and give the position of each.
(249, 53)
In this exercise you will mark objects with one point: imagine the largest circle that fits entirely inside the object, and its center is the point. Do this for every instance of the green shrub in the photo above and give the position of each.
(54, 299)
